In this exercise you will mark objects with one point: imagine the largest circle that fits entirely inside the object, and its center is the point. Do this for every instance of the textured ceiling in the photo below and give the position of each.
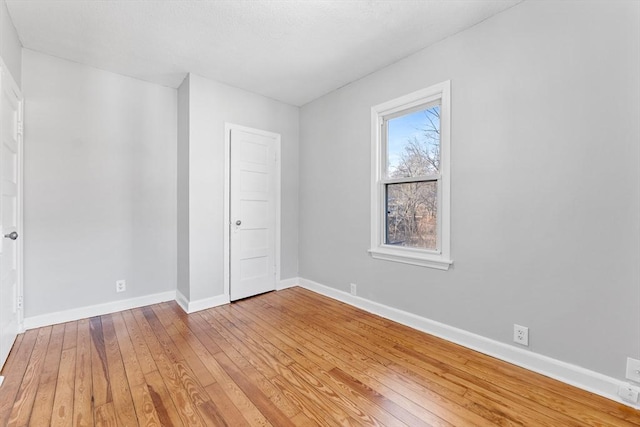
(292, 51)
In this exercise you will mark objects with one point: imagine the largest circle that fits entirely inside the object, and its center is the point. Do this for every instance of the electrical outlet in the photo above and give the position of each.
(354, 289)
(121, 285)
(628, 393)
(633, 370)
(521, 334)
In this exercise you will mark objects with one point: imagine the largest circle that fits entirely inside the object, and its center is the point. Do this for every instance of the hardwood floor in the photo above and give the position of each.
(287, 358)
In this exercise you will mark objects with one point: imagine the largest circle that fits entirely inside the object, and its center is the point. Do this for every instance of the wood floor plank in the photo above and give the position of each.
(192, 352)
(239, 399)
(256, 356)
(26, 395)
(455, 398)
(286, 358)
(164, 356)
(132, 367)
(245, 402)
(14, 370)
(145, 406)
(311, 409)
(297, 351)
(258, 340)
(211, 414)
(83, 395)
(193, 329)
(434, 369)
(142, 400)
(190, 383)
(262, 402)
(366, 372)
(302, 420)
(226, 407)
(388, 355)
(295, 346)
(382, 401)
(362, 368)
(43, 404)
(190, 357)
(332, 398)
(416, 367)
(100, 379)
(163, 404)
(310, 364)
(408, 351)
(353, 400)
(411, 368)
(408, 394)
(62, 414)
(273, 410)
(143, 354)
(70, 335)
(161, 334)
(446, 350)
(250, 364)
(105, 415)
(120, 389)
(561, 407)
(445, 397)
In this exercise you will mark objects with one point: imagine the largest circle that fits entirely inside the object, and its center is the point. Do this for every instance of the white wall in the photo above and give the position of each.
(211, 104)
(545, 173)
(100, 185)
(10, 47)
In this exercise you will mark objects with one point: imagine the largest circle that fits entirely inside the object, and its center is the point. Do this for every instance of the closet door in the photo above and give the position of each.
(252, 213)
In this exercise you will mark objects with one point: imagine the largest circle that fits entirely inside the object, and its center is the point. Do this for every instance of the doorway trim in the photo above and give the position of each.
(228, 127)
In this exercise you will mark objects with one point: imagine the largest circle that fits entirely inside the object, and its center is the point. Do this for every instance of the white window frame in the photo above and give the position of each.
(441, 257)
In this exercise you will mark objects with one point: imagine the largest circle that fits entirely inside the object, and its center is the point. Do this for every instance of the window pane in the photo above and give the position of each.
(412, 211)
(413, 144)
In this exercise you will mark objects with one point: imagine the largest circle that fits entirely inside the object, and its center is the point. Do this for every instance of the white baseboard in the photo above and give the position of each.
(287, 283)
(202, 304)
(576, 376)
(96, 310)
(182, 301)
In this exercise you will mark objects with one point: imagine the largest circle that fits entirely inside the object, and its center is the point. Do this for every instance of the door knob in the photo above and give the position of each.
(13, 235)
(238, 222)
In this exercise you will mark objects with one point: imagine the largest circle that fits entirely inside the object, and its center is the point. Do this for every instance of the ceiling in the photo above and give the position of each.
(291, 50)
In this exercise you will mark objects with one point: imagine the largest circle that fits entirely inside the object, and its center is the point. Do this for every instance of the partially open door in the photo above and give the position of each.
(10, 212)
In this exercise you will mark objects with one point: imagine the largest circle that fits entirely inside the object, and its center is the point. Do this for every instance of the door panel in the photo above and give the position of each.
(252, 213)
(10, 212)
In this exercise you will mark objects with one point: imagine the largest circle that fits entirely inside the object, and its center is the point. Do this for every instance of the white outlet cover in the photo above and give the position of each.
(521, 334)
(633, 370)
(628, 393)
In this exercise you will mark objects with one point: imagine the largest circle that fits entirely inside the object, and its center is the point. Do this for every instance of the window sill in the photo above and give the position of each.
(413, 257)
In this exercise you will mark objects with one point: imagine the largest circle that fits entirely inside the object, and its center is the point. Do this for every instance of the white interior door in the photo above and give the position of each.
(252, 213)
(10, 212)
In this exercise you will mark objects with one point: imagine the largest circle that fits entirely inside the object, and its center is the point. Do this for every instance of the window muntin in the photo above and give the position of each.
(410, 197)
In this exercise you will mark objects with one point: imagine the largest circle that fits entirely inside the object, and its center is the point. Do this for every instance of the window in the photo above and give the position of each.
(410, 188)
